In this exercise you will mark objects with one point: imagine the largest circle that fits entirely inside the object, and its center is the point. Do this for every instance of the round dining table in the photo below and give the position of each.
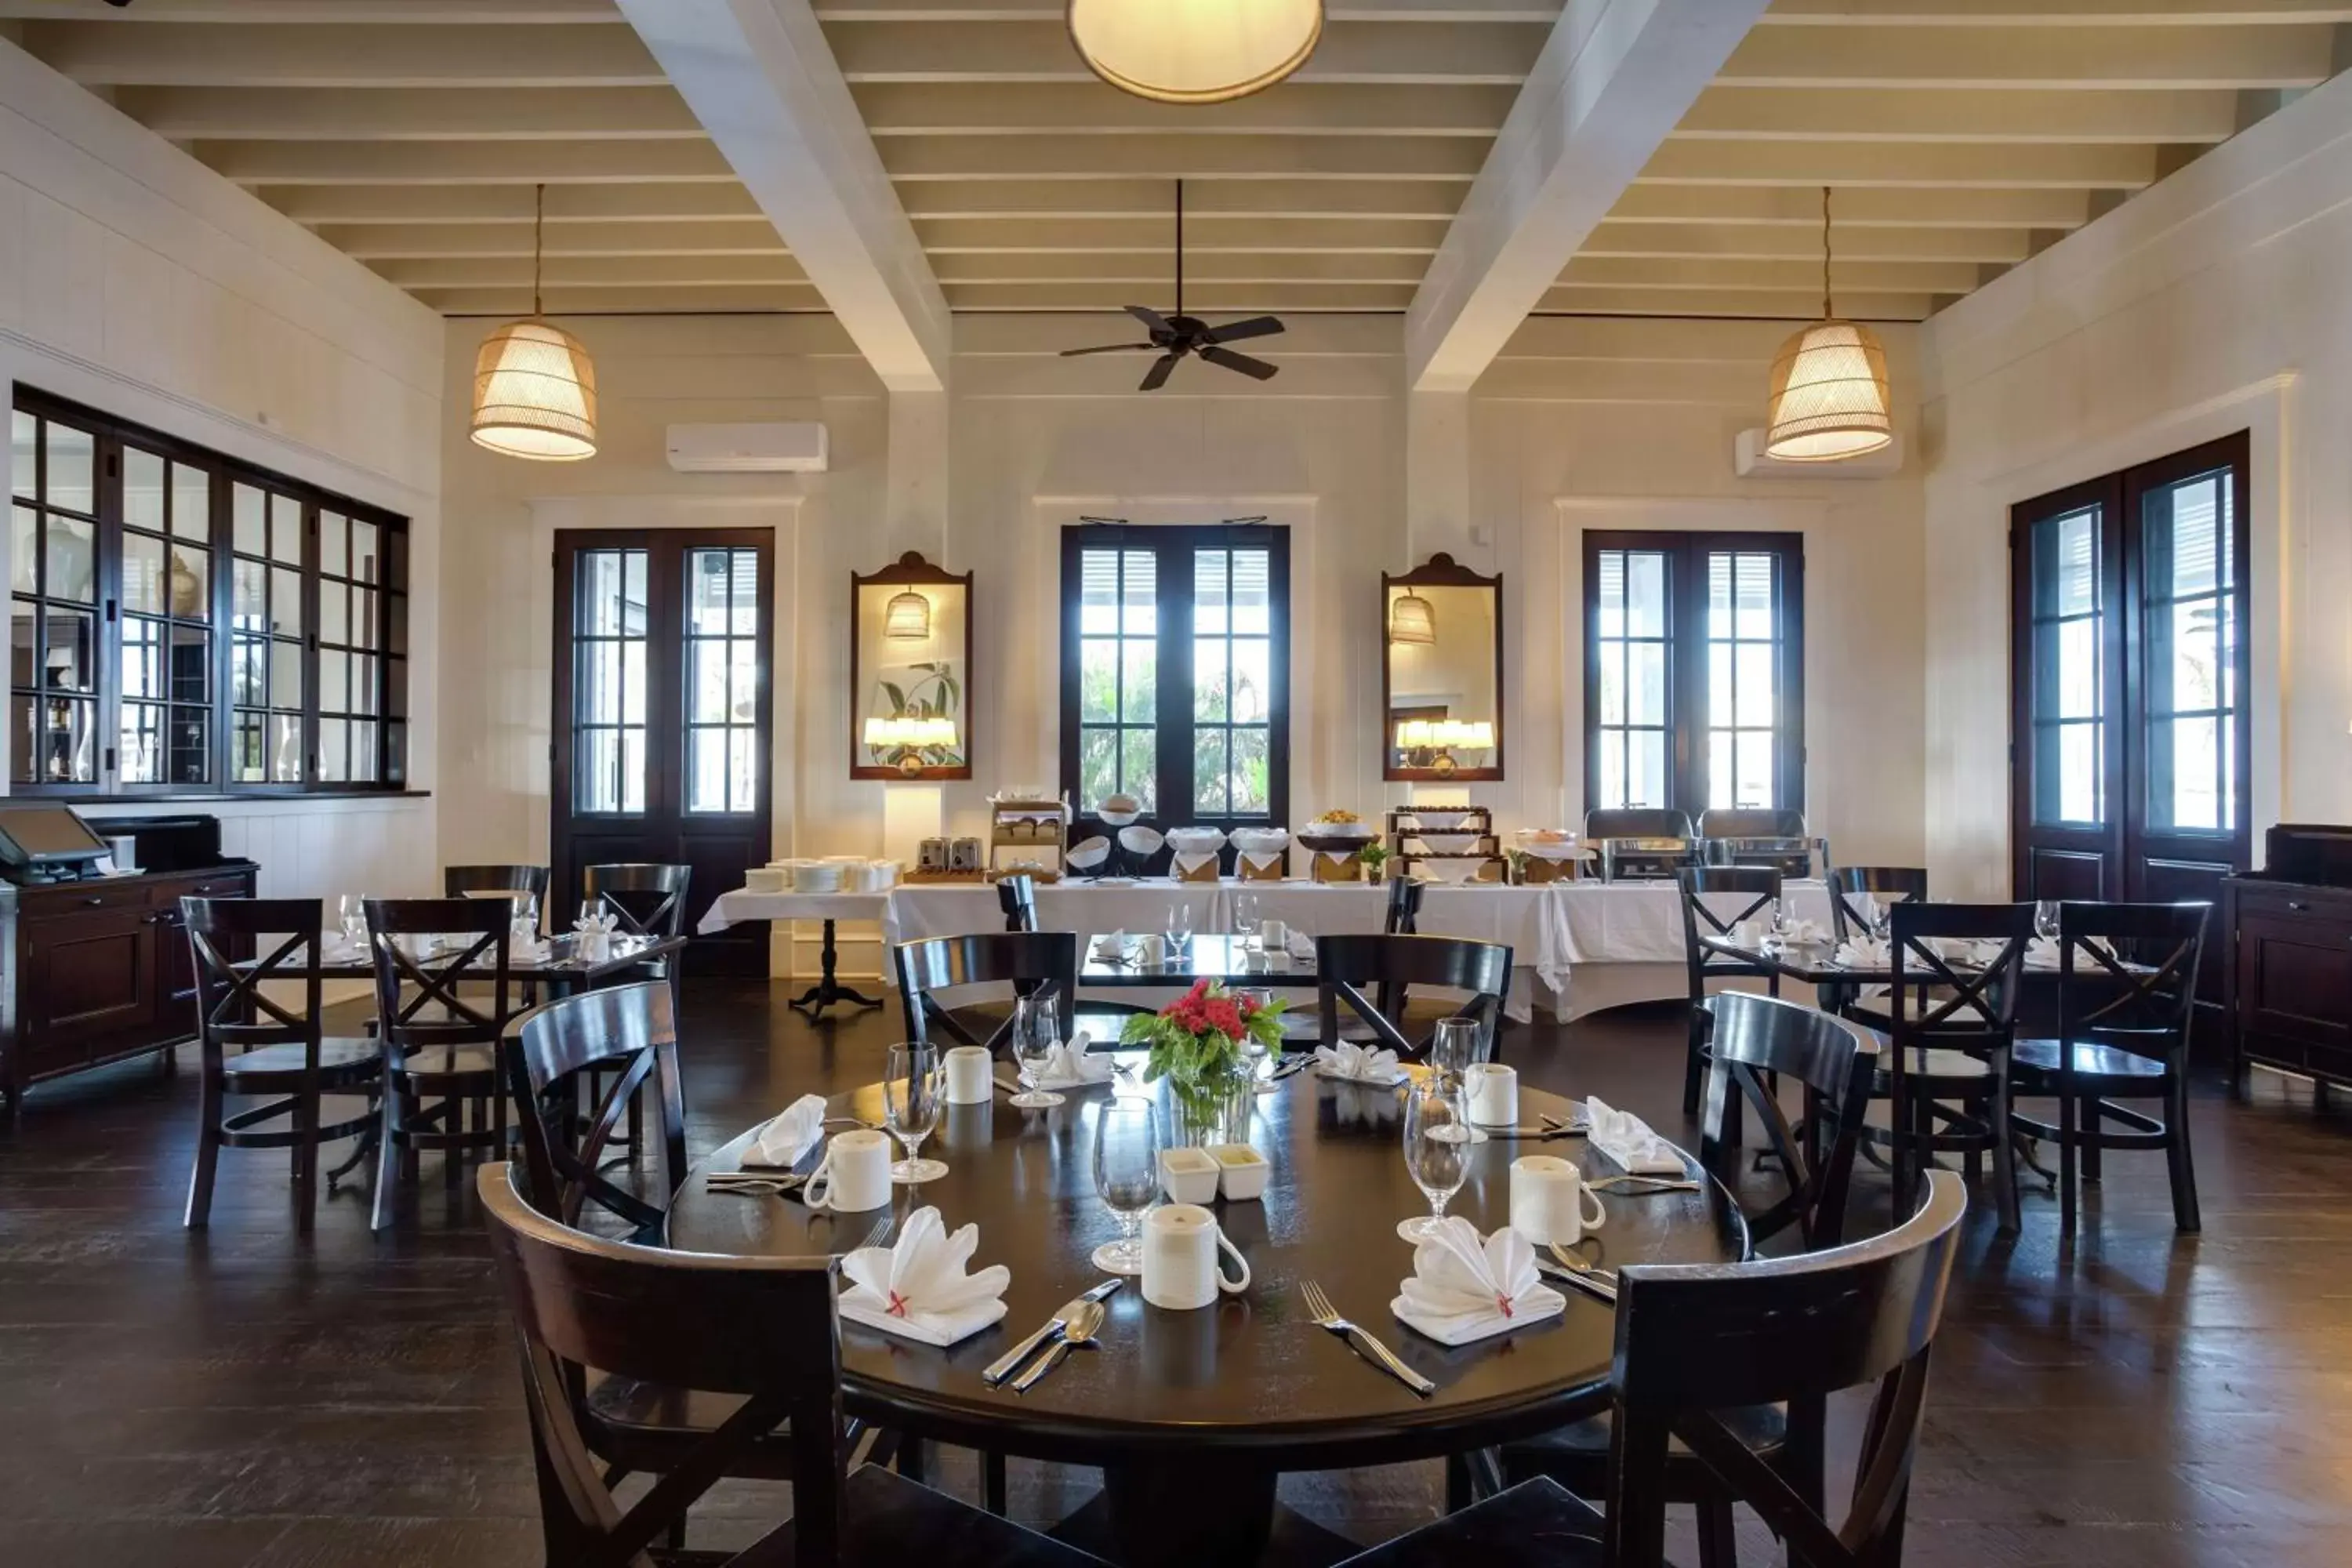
(1193, 1415)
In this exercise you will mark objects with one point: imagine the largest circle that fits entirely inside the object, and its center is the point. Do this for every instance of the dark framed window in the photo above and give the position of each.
(183, 622)
(1176, 671)
(1694, 670)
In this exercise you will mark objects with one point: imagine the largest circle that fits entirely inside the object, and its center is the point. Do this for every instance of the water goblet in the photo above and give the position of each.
(1127, 1176)
(2045, 918)
(910, 1108)
(1257, 998)
(1436, 1149)
(1179, 926)
(1245, 918)
(1036, 1036)
(1458, 1046)
(351, 914)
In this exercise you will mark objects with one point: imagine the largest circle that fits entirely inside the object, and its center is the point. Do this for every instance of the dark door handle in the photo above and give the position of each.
(94, 901)
(2292, 905)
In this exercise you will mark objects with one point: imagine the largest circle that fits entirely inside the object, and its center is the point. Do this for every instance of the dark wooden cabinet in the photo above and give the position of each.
(98, 971)
(2289, 977)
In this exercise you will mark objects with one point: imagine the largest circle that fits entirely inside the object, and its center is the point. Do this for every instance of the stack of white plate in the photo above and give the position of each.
(816, 876)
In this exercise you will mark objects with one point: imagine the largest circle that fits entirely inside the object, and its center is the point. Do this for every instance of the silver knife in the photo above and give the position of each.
(1003, 1366)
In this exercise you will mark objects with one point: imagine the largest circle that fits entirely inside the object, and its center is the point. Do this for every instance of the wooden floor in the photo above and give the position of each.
(184, 1400)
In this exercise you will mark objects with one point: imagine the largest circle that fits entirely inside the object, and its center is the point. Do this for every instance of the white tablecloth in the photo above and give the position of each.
(1585, 945)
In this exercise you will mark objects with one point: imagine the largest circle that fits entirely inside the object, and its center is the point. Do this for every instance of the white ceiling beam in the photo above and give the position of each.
(1761, 242)
(465, 163)
(1902, 114)
(1300, 109)
(2049, 58)
(424, 13)
(1539, 13)
(2055, 13)
(761, 77)
(411, 114)
(649, 203)
(1210, 298)
(1159, 272)
(2009, 208)
(1798, 275)
(723, 300)
(379, 242)
(591, 271)
(1614, 78)
(1901, 164)
(1135, 198)
(1762, 303)
(98, 54)
(1172, 158)
(1203, 236)
(1041, 51)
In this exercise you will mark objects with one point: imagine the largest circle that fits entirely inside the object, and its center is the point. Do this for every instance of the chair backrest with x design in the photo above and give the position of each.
(1695, 1339)
(631, 1029)
(1756, 1040)
(2127, 977)
(647, 898)
(1404, 907)
(1029, 961)
(760, 1327)
(1855, 891)
(420, 1001)
(243, 945)
(1716, 898)
(1017, 897)
(1392, 967)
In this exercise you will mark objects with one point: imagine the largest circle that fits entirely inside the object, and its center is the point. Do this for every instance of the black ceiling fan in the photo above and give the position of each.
(1174, 336)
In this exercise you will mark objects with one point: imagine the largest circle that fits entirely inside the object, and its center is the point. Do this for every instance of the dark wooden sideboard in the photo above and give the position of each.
(2289, 977)
(99, 970)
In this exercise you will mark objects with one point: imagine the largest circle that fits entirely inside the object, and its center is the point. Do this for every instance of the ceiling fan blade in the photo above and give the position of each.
(1242, 362)
(1109, 349)
(1157, 376)
(1256, 327)
(1152, 318)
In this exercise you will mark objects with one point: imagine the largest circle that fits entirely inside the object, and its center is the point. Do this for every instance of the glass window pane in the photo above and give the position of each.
(1139, 594)
(69, 739)
(365, 565)
(1719, 623)
(1721, 794)
(334, 680)
(1097, 765)
(24, 550)
(2078, 773)
(251, 527)
(596, 772)
(249, 671)
(363, 683)
(1251, 772)
(2195, 797)
(1755, 706)
(142, 574)
(191, 672)
(598, 701)
(362, 623)
(73, 559)
(245, 749)
(142, 488)
(1097, 682)
(250, 595)
(1098, 592)
(334, 547)
(1612, 594)
(1138, 768)
(1613, 769)
(140, 756)
(2078, 670)
(285, 748)
(1209, 698)
(1252, 679)
(334, 751)
(1209, 592)
(71, 657)
(1752, 594)
(73, 466)
(190, 583)
(706, 703)
(24, 470)
(710, 598)
(742, 769)
(1210, 797)
(286, 530)
(1647, 688)
(334, 611)
(1646, 781)
(1720, 712)
(1753, 786)
(1612, 683)
(705, 770)
(142, 658)
(363, 757)
(191, 502)
(598, 612)
(633, 681)
(1140, 666)
(188, 758)
(286, 602)
(1645, 593)
(633, 769)
(742, 680)
(23, 643)
(285, 674)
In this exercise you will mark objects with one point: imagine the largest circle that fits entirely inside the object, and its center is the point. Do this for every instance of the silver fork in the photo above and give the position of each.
(878, 1234)
(1319, 1306)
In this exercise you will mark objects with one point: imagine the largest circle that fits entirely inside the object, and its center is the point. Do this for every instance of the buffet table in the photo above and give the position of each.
(1580, 947)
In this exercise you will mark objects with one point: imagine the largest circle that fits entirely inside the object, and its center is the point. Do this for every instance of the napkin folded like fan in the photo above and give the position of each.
(1864, 952)
(783, 1141)
(918, 1288)
(1072, 1065)
(1462, 1290)
(1806, 932)
(1627, 1140)
(1358, 1064)
(1111, 949)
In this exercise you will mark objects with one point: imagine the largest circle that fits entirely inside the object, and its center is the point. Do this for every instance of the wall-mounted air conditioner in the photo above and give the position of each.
(795, 448)
(1749, 459)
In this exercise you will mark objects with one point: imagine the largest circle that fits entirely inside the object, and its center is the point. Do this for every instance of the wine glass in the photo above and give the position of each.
(1458, 1046)
(351, 914)
(1782, 921)
(1881, 912)
(1257, 998)
(2045, 918)
(910, 1108)
(1179, 925)
(1127, 1176)
(1036, 1036)
(1436, 1149)
(1246, 918)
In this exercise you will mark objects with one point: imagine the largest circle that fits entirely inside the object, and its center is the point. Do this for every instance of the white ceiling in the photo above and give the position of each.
(1962, 135)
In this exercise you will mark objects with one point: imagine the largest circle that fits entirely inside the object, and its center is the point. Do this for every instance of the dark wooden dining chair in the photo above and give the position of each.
(1760, 1040)
(1943, 1066)
(1373, 977)
(2127, 997)
(467, 881)
(1715, 899)
(441, 1019)
(630, 1033)
(644, 900)
(1029, 962)
(1404, 907)
(285, 1057)
(1854, 888)
(759, 1330)
(1696, 1341)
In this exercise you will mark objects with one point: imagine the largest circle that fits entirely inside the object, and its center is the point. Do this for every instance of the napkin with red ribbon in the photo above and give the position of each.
(1464, 1289)
(920, 1289)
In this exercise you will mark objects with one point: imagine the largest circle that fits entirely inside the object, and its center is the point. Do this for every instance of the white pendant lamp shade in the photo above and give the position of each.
(1829, 396)
(535, 393)
(1412, 619)
(534, 385)
(907, 618)
(1194, 51)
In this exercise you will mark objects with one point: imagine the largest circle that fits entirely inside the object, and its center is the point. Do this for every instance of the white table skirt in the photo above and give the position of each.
(1586, 945)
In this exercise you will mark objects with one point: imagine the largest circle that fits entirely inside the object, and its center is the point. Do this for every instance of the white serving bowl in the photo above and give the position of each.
(1140, 840)
(1088, 853)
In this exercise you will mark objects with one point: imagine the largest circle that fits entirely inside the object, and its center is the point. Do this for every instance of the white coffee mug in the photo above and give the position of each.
(970, 1079)
(1180, 1268)
(1273, 935)
(1548, 1195)
(854, 1174)
(1493, 1094)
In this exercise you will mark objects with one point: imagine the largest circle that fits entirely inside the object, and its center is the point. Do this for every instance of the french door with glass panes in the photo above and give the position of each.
(1694, 672)
(2129, 744)
(661, 739)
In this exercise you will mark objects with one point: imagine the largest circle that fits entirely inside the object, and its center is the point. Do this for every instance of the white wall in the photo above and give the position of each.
(137, 281)
(2217, 302)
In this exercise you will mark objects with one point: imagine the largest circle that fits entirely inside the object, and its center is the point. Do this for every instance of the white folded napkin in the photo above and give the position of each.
(1111, 949)
(783, 1141)
(1864, 952)
(1299, 944)
(1072, 1065)
(2042, 952)
(1261, 862)
(1358, 1064)
(1462, 1290)
(1751, 933)
(918, 1288)
(1805, 931)
(590, 925)
(1627, 1140)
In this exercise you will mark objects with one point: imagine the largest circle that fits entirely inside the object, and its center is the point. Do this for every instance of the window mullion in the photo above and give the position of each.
(1173, 746)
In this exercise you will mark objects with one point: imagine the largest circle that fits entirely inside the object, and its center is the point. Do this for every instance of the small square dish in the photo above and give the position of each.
(1243, 1171)
(1188, 1175)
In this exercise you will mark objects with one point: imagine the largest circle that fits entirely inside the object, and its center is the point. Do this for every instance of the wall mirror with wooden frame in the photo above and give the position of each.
(1442, 673)
(910, 672)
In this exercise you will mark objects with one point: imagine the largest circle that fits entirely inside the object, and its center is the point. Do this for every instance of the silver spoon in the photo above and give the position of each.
(1079, 1330)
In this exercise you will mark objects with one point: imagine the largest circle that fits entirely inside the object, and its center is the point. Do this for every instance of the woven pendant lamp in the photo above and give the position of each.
(1194, 51)
(534, 385)
(907, 618)
(1829, 385)
(1412, 619)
